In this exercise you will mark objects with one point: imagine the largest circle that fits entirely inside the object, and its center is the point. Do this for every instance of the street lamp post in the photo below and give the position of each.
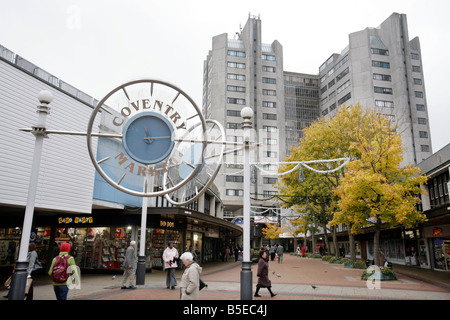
(19, 280)
(140, 269)
(246, 272)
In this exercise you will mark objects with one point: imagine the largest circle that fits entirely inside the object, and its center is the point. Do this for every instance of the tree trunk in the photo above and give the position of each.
(335, 244)
(376, 244)
(351, 237)
(325, 234)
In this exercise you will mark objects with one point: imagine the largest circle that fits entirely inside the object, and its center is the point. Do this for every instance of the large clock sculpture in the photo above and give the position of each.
(148, 129)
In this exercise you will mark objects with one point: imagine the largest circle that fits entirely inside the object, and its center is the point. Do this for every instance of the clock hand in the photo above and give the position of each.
(148, 136)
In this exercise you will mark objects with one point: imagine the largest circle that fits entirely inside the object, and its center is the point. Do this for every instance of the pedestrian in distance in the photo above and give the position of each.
(190, 281)
(303, 252)
(280, 251)
(272, 252)
(263, 274)
(170, 257)
(298, 251)
(63, 266)
(34, 265)
(129, 264)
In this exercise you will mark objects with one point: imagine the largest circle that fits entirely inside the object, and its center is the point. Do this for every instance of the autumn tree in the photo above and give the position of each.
(372, 185)
(272, 231)
(375, 185)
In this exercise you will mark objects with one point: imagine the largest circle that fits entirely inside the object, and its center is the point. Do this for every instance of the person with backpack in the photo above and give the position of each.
(61, 266)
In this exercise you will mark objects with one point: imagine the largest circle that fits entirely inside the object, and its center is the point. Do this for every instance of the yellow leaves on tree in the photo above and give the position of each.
(272, 231)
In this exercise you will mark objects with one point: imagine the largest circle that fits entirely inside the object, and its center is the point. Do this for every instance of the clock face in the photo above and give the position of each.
(134, 135)
(148, 137)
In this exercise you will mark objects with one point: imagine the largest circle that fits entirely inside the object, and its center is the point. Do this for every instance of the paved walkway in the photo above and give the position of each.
(294, 279)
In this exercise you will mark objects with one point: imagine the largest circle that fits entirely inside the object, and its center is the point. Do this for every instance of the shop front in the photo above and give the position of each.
(439, 242)
(99, 240)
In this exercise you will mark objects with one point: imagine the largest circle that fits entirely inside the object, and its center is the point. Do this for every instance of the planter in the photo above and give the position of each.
(348, 265)
(378, 276)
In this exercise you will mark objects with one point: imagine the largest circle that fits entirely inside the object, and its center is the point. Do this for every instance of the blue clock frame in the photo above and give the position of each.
(148, 137)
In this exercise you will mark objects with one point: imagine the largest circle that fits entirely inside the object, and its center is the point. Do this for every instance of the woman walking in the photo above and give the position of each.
(190, 280)
(263, 274)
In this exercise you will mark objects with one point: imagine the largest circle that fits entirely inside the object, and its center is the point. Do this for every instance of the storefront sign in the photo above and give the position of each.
(442, 230)
(166, 224)
(75, 220)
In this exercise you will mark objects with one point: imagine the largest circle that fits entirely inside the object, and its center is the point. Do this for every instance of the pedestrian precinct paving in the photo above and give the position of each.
(294, 279)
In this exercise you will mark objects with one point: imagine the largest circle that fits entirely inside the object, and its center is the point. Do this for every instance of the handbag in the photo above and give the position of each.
(202, 284)
(8, 281)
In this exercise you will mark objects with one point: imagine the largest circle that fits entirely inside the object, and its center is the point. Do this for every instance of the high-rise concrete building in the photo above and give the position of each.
(380, 68)
(242, 71)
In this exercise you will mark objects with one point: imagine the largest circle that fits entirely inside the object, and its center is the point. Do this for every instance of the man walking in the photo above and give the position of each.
(280, 251)
(170, 257)
(129, 265)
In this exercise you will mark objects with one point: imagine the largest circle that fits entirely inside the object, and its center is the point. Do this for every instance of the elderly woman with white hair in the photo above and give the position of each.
(189, 286)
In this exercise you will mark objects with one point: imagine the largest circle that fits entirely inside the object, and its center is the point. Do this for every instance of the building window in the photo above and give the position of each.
(235, 89)
(381, 52)
(270, 129)
(381, 77)
(234, 53)
(267, 194)
(269, 116)
(423, 134)
(235, 192)
(425, 148)
(420, 107)
(268, 69)
(383, 90)
(233, 125)
(270, 154)
(270, 180)
(417, 81)
(341, 88)
(270, 141)
(236, 65)
(421, 120)
(344, 98)
(233, 76)
(236, 101)
(269, 80)
(414, 56)
(233, 113)
(268, 92)
(381, 64)
(416, 68)
(384, 104)
(235, 178)
(268, 57)
(235, 138)
(418, 94)
(269, 104)
(341, 63)
(342, 74)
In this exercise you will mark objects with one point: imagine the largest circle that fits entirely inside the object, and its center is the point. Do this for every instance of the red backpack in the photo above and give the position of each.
(59, 272)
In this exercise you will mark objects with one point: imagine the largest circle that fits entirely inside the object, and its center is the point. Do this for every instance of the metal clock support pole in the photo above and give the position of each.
(140, 270)
(19, 280)
(246, 272)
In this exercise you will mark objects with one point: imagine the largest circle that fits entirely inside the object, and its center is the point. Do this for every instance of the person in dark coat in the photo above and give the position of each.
(263, 274)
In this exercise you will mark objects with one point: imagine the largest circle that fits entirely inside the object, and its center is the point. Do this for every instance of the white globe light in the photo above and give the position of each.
(45, 97)
(247, 113)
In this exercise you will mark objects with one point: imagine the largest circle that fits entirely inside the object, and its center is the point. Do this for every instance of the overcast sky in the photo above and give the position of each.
(97, 45)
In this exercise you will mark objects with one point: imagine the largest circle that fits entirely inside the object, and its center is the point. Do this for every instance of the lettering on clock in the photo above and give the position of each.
(138, 169)
(148, 104)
